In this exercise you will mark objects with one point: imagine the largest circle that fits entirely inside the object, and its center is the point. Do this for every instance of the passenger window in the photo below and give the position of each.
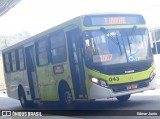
(43, 52)
(13, 57)
(7, 63)
(21, 59)
(58, 47)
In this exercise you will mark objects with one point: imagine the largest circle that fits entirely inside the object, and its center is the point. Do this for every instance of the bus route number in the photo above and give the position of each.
(113, 79)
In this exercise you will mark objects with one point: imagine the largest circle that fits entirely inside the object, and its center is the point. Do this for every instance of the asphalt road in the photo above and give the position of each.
(149, 100)
(141, 101)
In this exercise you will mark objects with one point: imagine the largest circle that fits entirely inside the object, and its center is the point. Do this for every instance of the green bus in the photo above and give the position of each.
(155, 39)
(91, 57)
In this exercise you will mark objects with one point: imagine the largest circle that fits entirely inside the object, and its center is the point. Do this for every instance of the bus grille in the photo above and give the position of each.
(121, 68)
(123, 87)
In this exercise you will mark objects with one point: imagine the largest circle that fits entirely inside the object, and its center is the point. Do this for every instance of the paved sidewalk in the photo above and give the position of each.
(3, 95)
(155, 92)
(8, 103)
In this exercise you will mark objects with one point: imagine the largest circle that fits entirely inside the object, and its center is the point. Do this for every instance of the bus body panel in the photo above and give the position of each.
(123, 79)
(98, 92)
(49, 82)
(14, 80)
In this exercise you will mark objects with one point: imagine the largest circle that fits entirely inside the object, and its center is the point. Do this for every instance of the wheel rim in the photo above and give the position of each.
(68, 97)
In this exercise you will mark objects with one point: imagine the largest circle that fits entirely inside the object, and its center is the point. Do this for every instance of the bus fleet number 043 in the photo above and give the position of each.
(113, 79)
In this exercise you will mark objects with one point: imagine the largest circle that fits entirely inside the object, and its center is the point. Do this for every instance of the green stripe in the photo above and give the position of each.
(112, 27)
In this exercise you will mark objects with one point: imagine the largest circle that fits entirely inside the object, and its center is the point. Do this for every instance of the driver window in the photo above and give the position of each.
(91, 48)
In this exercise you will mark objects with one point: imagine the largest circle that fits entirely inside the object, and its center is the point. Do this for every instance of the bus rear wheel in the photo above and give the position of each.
(123, 98)
(24, 102)
(22, 98)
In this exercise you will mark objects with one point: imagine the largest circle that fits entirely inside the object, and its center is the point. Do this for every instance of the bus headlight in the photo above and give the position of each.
(99, 81)
(95, 80)
(152, 74)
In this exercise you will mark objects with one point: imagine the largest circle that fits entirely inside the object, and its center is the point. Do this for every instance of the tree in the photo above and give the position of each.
(8, 40)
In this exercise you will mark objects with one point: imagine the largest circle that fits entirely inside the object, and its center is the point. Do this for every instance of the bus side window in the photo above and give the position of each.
(42, 52)
(21, 59)
(17, 59)
(7, 63)
(58, 47)
(13, 59)
(10, 60)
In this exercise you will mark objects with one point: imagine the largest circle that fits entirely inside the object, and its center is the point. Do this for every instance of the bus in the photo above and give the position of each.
(155, 38)
(88, 58)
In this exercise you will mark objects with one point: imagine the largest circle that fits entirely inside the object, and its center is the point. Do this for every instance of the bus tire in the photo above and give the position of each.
(22, 98)
(23, 101)
(65, 96)
(123, 98)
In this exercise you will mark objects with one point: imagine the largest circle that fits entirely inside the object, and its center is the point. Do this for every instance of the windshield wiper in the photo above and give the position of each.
(107, 34)
(133, 32)
(132, 38)
(129, 44)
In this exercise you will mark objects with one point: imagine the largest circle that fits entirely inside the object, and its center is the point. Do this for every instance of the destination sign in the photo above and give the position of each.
(101, 20)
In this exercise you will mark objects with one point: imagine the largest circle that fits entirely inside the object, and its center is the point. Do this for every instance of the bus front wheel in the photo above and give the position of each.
(65, 96)
(123, 98)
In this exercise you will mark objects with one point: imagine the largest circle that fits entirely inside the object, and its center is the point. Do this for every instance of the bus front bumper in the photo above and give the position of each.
(99, 92)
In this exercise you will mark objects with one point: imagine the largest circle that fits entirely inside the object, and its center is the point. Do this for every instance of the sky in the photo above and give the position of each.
(35, 16)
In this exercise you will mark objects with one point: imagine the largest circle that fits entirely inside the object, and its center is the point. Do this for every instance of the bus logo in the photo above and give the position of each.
(130, 78)
(130, 71)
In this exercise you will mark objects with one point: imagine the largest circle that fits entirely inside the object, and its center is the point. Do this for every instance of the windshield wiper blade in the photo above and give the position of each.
(129, 44)
(110, 36)
(132, 38)
(133, 32)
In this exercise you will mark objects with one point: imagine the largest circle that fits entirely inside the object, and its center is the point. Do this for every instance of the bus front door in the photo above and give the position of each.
(31, 71)
(76, 64)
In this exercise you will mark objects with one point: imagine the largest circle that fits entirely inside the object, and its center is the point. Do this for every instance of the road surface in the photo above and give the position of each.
(149, 100)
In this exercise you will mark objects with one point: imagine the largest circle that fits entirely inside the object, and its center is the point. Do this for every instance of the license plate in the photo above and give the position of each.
(131, 87)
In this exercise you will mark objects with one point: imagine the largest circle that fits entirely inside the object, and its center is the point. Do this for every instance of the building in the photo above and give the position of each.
(6, 5)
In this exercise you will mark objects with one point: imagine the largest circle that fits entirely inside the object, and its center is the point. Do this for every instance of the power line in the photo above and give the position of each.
(150, 7)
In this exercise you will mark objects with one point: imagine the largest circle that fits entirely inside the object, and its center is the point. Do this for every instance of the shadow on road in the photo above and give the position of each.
(135, 102)
(91, 108)
(110, 107)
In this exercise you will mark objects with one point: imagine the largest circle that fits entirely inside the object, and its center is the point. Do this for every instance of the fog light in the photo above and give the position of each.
(103, 83)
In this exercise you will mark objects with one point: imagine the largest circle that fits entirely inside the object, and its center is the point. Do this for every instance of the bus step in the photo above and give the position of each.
(37, 101)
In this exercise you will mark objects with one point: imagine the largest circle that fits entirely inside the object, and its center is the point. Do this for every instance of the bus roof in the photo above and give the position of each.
(76, 20)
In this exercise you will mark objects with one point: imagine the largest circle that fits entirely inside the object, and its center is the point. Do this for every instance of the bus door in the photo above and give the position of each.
(31, 71)
(76, 63)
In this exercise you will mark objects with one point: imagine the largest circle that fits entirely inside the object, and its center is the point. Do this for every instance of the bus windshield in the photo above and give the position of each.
(114, 46)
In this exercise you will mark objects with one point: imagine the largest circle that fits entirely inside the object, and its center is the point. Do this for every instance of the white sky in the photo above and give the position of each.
(36, 16)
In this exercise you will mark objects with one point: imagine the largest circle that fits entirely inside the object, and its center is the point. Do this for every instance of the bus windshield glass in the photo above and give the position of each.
(104, 47)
